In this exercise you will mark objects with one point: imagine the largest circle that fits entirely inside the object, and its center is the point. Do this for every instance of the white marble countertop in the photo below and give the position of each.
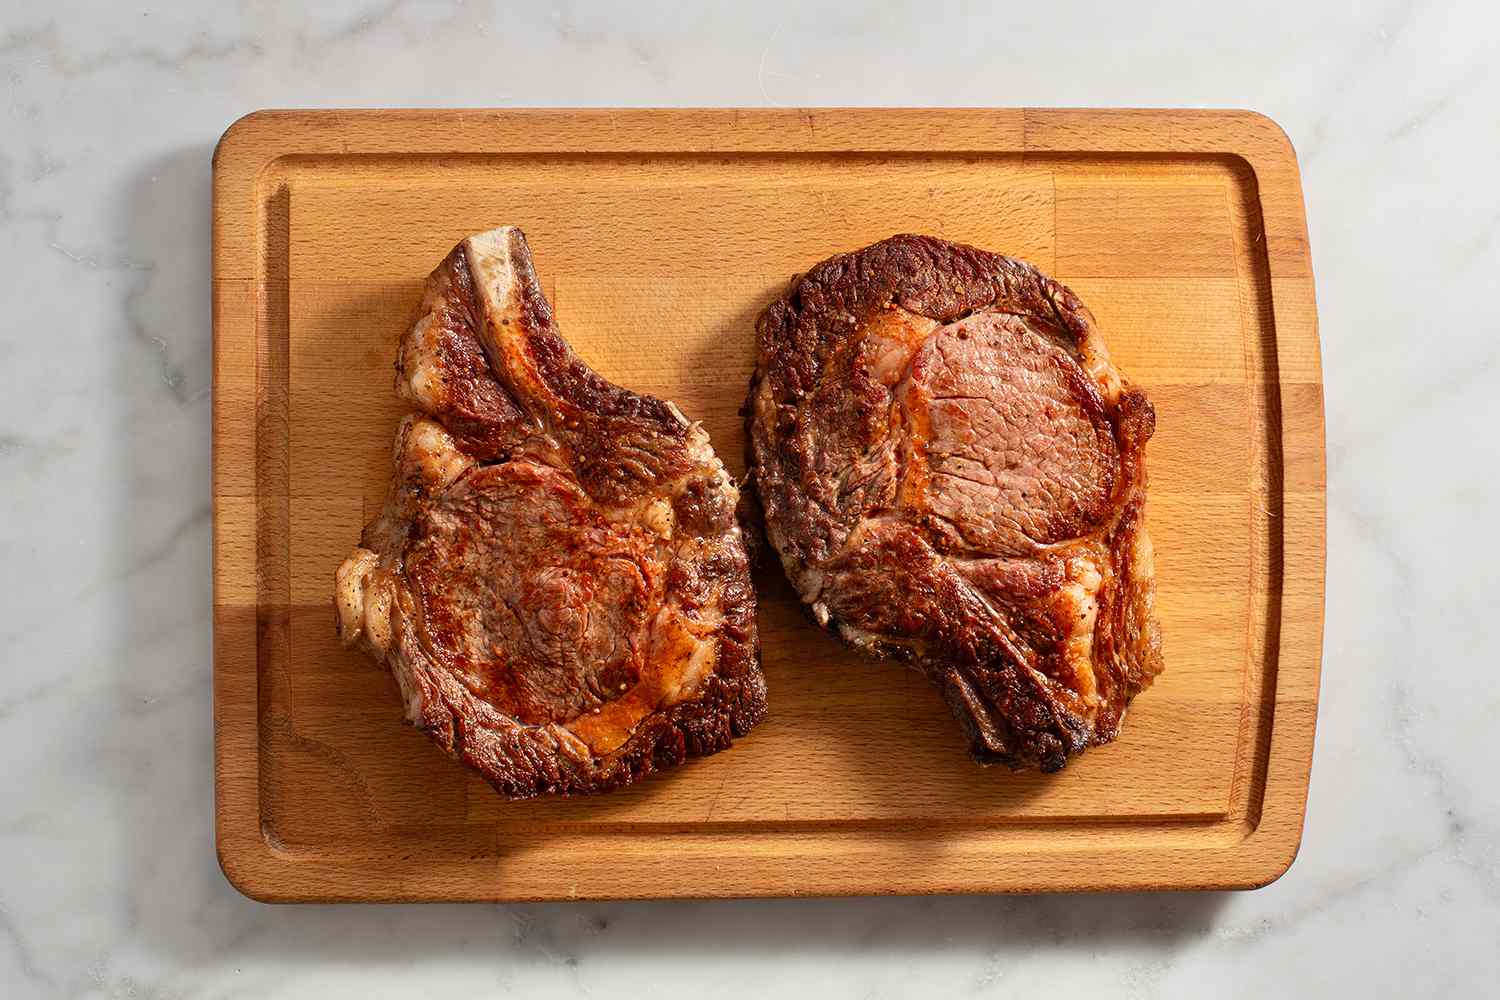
(108, 883)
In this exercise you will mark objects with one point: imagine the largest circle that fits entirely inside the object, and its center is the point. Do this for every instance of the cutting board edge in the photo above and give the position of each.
(257, 142)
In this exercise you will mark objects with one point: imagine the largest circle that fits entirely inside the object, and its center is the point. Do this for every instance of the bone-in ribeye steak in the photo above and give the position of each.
(952, 472)
(558, 581)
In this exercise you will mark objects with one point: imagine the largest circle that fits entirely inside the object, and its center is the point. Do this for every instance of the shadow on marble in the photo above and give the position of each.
(1002, 927)
(158, 751)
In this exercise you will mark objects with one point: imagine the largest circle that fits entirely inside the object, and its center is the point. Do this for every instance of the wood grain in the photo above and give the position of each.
(659, 235)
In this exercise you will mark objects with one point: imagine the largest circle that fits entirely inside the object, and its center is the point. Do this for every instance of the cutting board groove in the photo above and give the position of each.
(659, 235)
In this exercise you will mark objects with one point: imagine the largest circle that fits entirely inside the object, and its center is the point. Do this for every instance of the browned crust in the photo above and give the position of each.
(620, 442)
(929, 277)
(520, 762)
(479, 412)
(1009, 713)
(620, 447)
(800, 334)
(567, 377)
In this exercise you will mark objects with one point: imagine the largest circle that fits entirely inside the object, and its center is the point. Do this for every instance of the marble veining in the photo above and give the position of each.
(108, 883)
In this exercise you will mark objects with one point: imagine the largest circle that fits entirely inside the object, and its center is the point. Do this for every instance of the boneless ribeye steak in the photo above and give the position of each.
(952, 472)
(558, 580)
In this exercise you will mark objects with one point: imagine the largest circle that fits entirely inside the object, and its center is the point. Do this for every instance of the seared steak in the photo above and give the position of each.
(952, 472)
(558, 580)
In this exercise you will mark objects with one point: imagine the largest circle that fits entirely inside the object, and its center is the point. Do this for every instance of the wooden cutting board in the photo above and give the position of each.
(659, 235)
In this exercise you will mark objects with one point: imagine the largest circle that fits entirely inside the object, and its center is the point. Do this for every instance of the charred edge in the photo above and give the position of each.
(564, 373)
